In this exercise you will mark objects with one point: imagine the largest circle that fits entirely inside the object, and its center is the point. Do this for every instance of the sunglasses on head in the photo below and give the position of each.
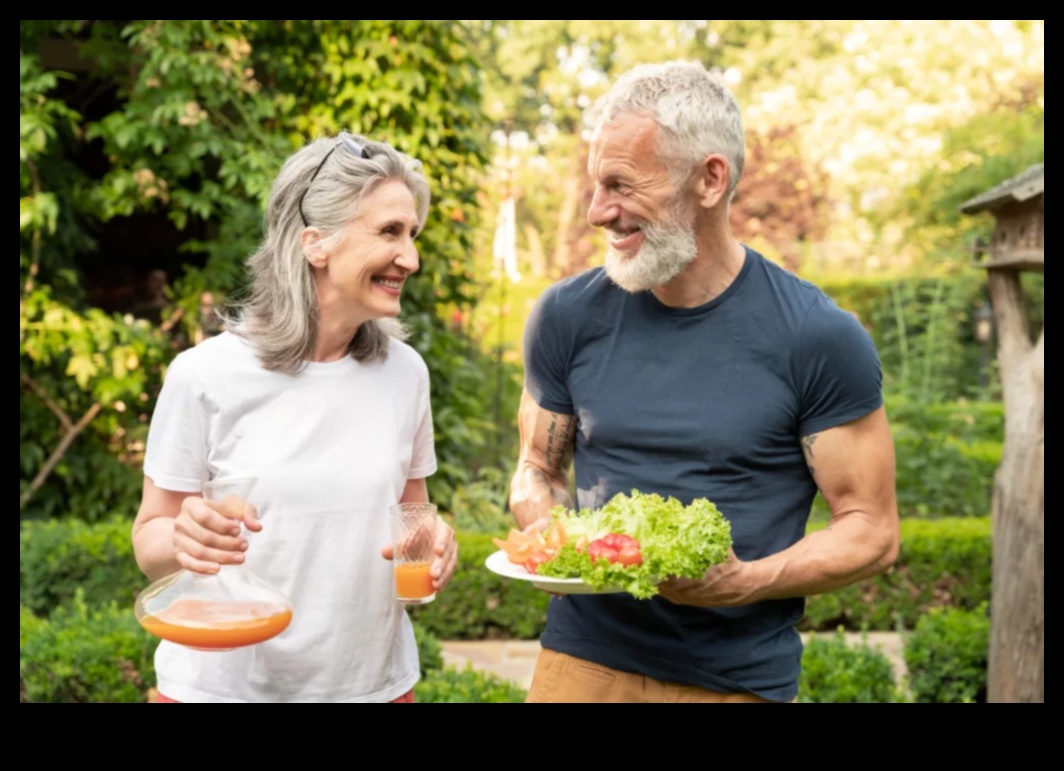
(354, 147)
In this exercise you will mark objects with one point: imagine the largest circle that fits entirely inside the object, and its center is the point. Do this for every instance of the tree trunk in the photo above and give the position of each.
(1017, 644)
(563, 251)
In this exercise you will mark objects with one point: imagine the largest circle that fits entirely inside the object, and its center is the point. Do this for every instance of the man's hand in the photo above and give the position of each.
(724, 586)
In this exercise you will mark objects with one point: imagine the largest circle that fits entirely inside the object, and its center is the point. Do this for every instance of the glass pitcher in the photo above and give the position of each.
(231, 609)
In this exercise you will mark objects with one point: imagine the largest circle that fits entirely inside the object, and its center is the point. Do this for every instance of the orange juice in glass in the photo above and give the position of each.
(414, 539)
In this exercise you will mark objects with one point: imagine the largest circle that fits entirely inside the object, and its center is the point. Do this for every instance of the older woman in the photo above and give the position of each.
(311, 390)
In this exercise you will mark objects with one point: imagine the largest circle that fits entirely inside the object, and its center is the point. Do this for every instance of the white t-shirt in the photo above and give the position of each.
(333, 448)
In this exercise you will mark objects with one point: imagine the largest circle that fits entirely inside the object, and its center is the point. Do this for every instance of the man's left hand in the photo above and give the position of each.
(724, 586)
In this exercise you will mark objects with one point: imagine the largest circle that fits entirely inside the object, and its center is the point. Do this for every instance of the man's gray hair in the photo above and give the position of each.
(696, 112)
(280, 316)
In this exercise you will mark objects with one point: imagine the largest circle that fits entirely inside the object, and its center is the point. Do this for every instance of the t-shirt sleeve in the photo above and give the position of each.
(840, 374)
(175, 456)
(546, 353)
(423, 463)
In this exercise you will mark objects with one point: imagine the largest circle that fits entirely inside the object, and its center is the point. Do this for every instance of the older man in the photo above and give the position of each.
(691, 366)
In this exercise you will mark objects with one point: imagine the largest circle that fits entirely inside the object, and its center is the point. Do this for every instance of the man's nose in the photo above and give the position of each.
(603, 210)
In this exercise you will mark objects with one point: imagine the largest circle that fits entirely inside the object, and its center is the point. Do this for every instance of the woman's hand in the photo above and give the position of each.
(446, 561)
(446, 550)
(207, 534)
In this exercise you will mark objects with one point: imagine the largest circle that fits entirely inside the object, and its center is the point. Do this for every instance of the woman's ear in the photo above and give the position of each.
(313, 248)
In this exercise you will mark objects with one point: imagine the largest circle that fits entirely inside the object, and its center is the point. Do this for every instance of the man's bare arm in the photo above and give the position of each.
(854, 466)
(542, 478)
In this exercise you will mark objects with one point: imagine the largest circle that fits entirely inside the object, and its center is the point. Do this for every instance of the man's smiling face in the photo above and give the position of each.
(649, 221)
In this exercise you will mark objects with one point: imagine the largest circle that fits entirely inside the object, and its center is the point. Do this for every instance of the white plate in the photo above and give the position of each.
(499, 564)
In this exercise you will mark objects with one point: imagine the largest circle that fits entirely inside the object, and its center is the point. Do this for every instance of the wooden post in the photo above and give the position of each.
(1017, 644)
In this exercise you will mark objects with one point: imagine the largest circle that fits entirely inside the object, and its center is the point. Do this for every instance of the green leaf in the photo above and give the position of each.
(25, 214)
(82, 369)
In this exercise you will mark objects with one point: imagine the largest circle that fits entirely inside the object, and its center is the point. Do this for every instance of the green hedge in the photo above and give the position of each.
(59, 558)
(466, 686)
(835, 672)
(947, 456)
(942, 563)
(84, 655)
(479, 605)
(947, 657)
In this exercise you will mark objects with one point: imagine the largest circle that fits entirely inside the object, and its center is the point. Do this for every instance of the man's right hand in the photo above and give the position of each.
(207, 534)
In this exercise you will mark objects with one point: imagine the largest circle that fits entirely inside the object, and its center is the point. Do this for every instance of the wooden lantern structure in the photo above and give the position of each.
(1017, 644)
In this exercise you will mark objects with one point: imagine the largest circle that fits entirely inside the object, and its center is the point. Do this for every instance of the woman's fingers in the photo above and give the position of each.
(205, 538)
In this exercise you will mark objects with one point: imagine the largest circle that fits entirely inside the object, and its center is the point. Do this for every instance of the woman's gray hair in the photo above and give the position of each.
(697, 113)
(280, 315)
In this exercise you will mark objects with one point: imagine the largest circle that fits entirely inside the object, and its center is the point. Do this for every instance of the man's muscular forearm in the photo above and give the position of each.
(541, 481)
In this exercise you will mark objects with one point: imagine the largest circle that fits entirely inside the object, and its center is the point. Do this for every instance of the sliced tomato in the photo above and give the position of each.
(536, 559)
(617, 541)
(630, 556)
(519, 546)
(600, 550)
(556, 536)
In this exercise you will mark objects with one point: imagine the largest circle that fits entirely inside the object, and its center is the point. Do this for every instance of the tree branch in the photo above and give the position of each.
(1010, 313)
(56, 410)
(57, 455)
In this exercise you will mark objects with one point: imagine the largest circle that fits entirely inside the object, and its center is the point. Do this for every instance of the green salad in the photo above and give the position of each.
(637, 541)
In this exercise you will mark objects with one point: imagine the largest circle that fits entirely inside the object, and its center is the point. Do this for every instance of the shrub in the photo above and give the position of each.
(429, 652)
(947, 657)
(835, 672)
(467, 686)
(59, 558)
(479, 605)
(85, 656)
(943, 563)
(948, 455)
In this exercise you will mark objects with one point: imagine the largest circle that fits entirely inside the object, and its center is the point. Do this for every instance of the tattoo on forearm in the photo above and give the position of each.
(559, 495)
(807, 448)
(560, 436)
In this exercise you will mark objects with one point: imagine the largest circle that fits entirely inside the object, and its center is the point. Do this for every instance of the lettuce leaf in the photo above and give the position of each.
(676, 540)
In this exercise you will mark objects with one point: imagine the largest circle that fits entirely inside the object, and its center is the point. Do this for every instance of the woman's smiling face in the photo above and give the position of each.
(365, 272)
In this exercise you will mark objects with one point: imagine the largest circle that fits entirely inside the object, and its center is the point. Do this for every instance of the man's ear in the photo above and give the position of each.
(313, 248)
(713, 181)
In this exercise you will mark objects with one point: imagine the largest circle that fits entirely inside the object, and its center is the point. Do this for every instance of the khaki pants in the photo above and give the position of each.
(561, 679)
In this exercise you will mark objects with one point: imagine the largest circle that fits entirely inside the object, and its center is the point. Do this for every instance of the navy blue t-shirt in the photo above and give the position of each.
(708, 402)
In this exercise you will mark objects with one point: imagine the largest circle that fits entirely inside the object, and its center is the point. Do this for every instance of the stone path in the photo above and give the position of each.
(515, 661)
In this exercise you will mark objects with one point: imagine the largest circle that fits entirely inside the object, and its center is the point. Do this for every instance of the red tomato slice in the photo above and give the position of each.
(535, 560)
(617, 541)
(630, 556)
(600, 550)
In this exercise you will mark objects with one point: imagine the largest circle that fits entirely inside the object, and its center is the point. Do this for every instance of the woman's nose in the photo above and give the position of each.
(408, 260)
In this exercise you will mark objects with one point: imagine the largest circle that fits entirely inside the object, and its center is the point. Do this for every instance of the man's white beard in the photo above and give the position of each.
(666, 252)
